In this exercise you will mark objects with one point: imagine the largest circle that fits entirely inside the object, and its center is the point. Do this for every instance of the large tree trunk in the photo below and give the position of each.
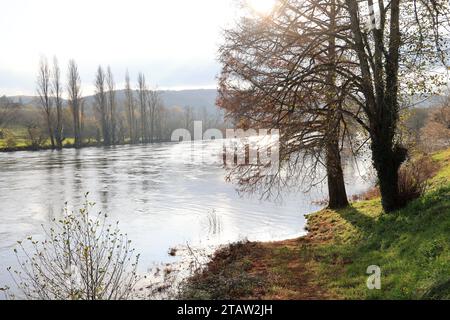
(387, 159)
(387, 155)
(382, 103)
(336, 186)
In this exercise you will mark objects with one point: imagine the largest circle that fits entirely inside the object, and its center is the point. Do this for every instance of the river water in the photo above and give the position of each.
(160, 199)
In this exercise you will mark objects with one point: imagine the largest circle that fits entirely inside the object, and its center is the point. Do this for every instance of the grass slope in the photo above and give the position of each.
(411, 246)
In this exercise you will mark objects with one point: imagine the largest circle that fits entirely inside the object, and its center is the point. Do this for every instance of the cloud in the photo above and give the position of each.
(174, 42)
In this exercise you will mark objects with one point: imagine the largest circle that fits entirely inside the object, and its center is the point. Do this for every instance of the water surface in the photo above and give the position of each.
(160, 199)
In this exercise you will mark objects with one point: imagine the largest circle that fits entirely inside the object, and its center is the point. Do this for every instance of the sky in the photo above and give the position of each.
(174, 42)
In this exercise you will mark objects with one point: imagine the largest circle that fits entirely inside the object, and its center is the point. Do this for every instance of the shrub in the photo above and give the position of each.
(36, 137)
(10, 139)
(82, 258)
(414, 176)
(11, 142)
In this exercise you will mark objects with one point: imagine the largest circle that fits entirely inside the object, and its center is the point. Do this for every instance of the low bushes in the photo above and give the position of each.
(414, 177)
(413, 180)
(83, 257)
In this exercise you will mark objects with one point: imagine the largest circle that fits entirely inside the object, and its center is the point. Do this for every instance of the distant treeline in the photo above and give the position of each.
(137, 115)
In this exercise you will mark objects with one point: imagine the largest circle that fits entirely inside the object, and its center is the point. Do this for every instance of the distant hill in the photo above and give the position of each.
(206, 98)
(29, 100)
(200, 98)
(421, 102)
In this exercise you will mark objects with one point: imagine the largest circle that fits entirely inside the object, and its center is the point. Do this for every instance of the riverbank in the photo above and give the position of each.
(67, 145)
(411, 247)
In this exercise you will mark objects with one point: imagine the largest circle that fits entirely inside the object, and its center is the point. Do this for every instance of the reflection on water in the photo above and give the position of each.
(160, 199)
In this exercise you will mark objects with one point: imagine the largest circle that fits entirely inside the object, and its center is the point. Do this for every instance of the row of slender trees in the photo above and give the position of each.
(142, 114)
(49, 90)
(329, 74)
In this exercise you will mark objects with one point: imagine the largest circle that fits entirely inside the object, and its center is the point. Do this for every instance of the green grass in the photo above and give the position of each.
(443, 177)
(22, 141)
(20, 137)
(411, 246)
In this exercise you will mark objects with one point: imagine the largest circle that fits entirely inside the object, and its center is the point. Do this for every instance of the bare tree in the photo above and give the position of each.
(102, 105)
(261, 87)
(57, 97)
(143, 95)
(404, 40)
(154, 104)
(111, 104)
(36, 137)
(281, 64)
(335, 176)
(83, 257)
(75, 100)
(130, 107)
(43, 90)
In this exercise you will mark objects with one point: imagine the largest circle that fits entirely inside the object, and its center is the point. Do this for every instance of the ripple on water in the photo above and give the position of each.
(160, 199)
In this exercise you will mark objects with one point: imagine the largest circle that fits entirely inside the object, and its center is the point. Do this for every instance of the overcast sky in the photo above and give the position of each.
(174, 42)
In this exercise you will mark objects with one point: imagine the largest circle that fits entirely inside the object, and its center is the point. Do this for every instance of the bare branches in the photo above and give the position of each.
(102, 104)
(111, 104)
(130, 107)
(75, 100)
(276, 72)
(57, 96)
(43, 90)
(83, 257)
(143, 98)
(286, 73)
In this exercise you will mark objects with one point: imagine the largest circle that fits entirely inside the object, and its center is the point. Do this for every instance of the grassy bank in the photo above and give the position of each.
(411, 246)
(25, 146)
(23, 143)
(17, 139)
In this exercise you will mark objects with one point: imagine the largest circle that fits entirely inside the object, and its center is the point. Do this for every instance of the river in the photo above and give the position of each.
(160, 199)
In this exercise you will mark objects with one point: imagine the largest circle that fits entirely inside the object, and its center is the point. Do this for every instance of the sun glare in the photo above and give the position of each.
(263, 7)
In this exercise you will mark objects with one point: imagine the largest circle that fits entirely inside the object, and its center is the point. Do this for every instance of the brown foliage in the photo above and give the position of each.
(36, 136)
(371, 194)
(414, 178)
(436, 133)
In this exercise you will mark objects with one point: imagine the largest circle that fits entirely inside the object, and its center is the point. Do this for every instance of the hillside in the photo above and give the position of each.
(200, 98)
